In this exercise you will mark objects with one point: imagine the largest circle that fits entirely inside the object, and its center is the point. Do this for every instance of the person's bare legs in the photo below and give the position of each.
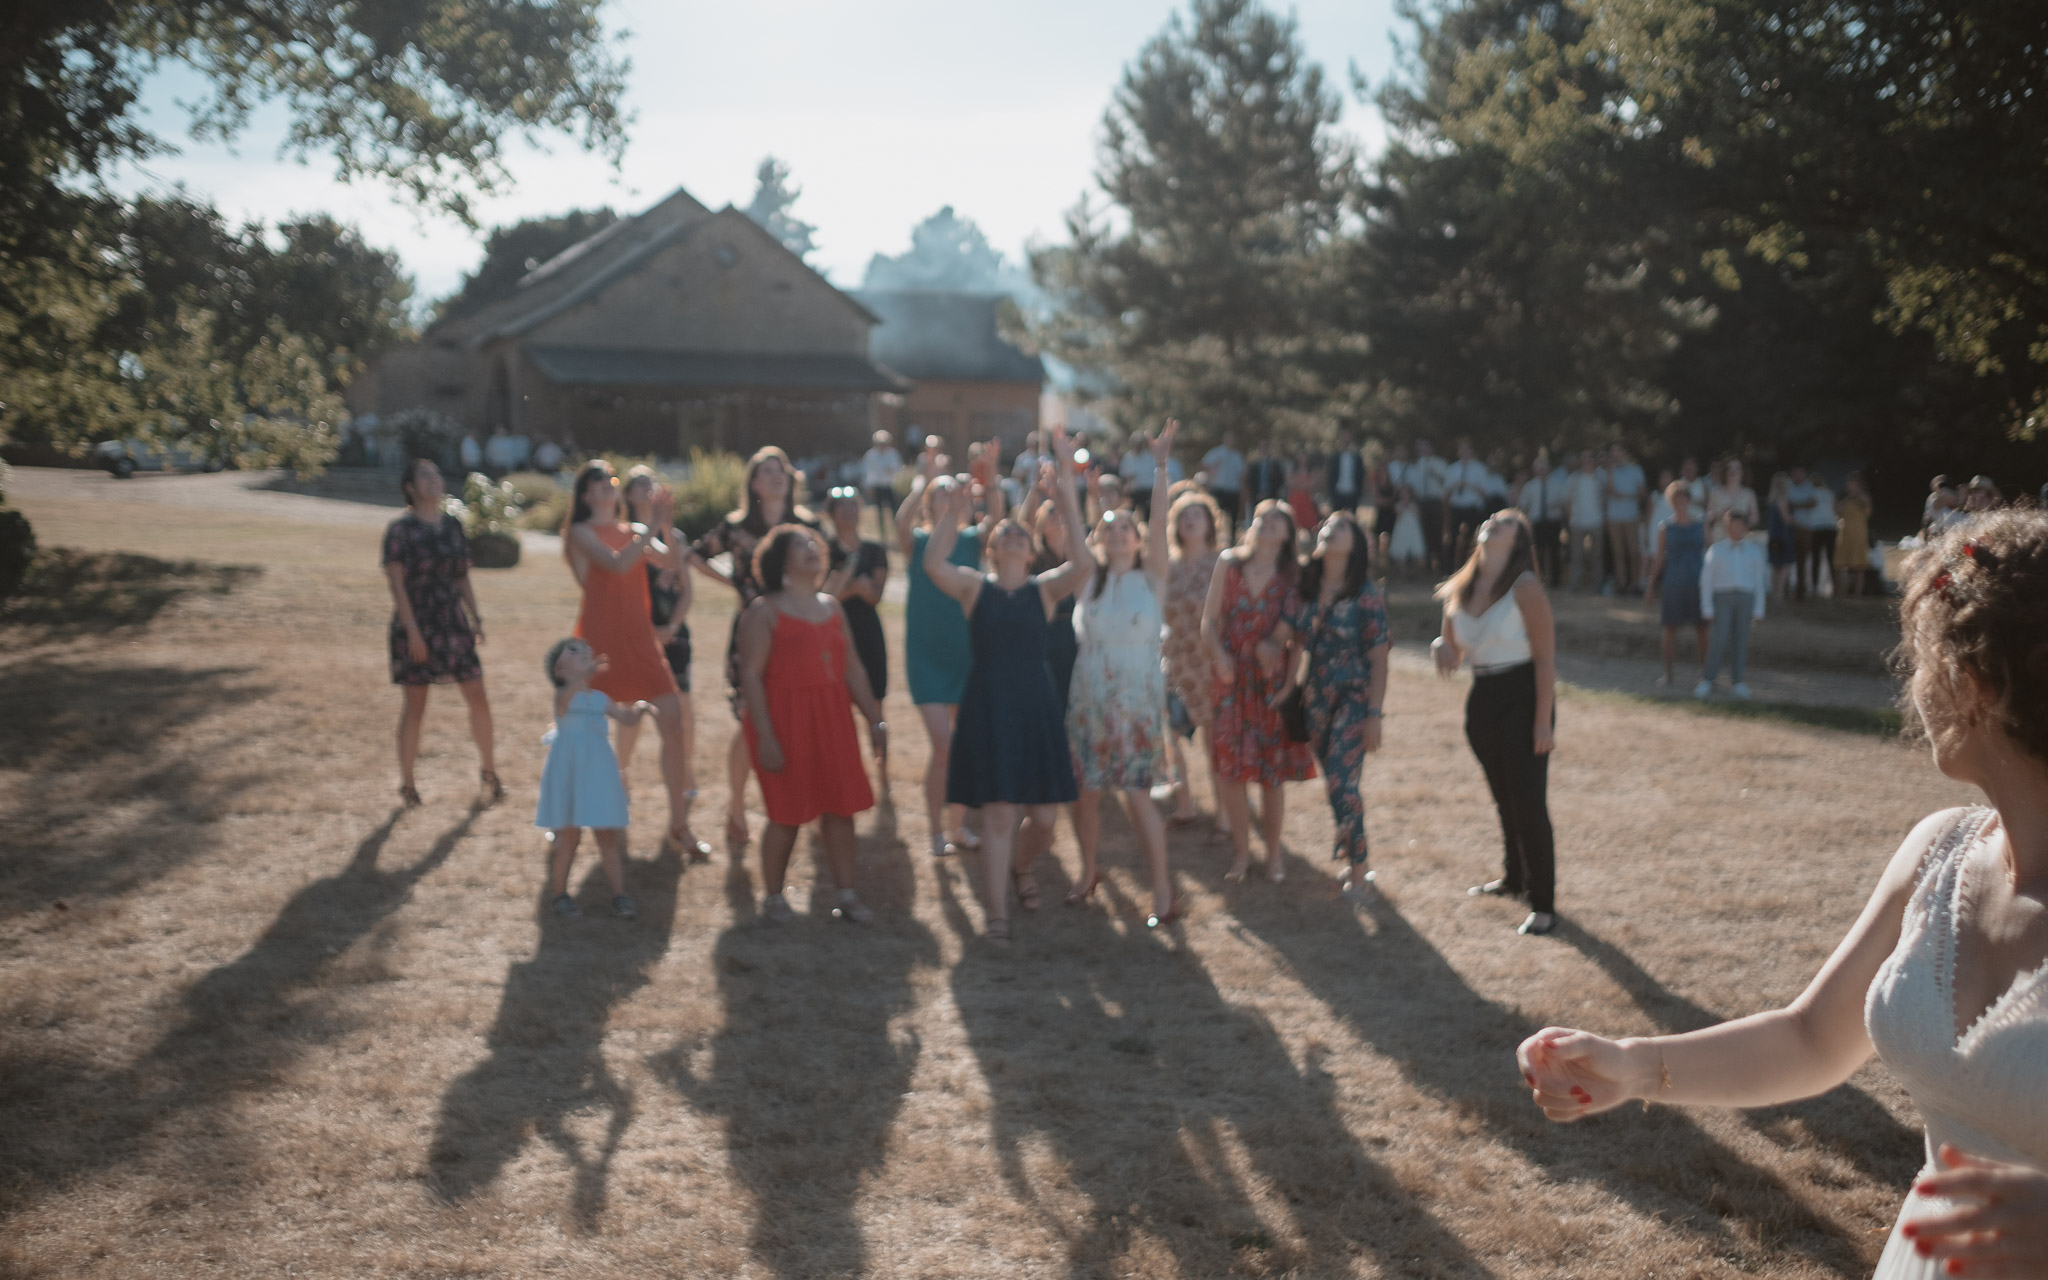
(1151, 831)
(564, 857)
(737, 766)
(999, 833)
(945, 820)
(479, 726)
(778, 840)
(611, 855)
(1231, 798)
(624, 738)
(836, 831)
(1272, 813)
(1184, 809)
(411, 714)
(672, 719)
(1087, 815)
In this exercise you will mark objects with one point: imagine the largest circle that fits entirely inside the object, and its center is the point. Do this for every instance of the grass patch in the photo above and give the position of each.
(1881, 722)
(95, 591)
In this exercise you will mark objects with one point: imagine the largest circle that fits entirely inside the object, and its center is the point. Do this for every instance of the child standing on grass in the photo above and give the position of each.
(1733, 582)
(580, 784)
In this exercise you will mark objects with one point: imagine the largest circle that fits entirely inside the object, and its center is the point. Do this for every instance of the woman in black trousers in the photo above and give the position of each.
(1497, 618)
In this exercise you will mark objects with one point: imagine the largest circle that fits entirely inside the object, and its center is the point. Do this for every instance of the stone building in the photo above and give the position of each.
(969, 384)
(677, 328)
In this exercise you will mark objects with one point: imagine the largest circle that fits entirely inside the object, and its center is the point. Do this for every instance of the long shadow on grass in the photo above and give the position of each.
(805, 1069)
(1399, 994)
(1180, 1116)
(1844, 1120)
(242, 1025)
(547, 1045)
(69, 593)
(109, 796)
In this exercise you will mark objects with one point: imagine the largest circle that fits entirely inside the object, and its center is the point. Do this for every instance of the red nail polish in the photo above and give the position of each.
(1923, 1248)
(1955, 1266)
(1910, 1230)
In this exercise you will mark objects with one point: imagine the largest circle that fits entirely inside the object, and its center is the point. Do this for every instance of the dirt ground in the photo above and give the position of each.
(257, 1020)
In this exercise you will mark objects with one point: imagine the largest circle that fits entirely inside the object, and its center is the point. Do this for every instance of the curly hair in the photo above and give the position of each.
(773, 553)
(1976, 609)
(1194, 500)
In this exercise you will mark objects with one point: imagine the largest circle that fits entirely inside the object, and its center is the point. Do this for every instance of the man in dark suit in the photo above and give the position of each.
(1344, 478)
(1265, 478)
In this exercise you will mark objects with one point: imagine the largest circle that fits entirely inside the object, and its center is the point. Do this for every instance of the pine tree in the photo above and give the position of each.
(773, 197)
(947, 252)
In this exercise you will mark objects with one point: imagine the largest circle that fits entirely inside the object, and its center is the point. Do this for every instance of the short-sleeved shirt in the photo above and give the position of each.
(1628, 478)
(1589, 498)
(1226, 469)
(878, 467)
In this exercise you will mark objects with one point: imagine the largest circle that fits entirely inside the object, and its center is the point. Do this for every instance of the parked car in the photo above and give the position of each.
(123, 458)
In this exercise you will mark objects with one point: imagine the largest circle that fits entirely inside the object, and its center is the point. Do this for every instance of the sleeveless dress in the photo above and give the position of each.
(1010, 740)
(1685, 553)
(1116, 706)
(617, 619)
(1246, 742)
(1189, 669)
(580, 784)
(808, 703)
(1406, 542)
(436, 560)
(869, 645)
(1985, 1091)
(936, 650)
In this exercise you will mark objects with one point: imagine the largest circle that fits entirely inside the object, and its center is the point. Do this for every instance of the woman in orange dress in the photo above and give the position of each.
(606, 555)
(797, 692)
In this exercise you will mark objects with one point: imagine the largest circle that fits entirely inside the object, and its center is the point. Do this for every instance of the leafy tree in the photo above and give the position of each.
(947, 252)
(420, 95)
(773, 198)
(512, 250)
(1200, 290)
(273, 407)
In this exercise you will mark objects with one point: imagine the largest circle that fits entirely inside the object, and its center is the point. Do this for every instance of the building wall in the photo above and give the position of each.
(961, 412)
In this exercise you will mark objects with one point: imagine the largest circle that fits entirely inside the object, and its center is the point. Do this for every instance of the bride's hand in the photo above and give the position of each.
(2000, 1228)
(1574, 1074)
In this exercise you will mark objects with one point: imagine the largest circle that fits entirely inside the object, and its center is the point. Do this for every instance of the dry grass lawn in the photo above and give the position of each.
(256, 1021)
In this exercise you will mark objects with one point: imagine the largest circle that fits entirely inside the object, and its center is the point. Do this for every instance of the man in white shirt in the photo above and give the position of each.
(1025, 469)
(878, 469)
(1813, 529)
(1426, 482)
(1465, 495)
(1625, 486)
(1586, 500)
(1225, 466)
(1733, 583)
(1546, 498)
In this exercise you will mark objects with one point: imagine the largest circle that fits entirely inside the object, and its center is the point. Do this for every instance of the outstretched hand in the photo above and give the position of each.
(1573, 1074)
(1162, 444)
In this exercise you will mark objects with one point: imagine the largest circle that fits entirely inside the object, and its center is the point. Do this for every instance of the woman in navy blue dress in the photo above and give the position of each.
(1009, 750)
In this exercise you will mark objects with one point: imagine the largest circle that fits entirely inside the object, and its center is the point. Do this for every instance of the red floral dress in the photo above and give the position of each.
(1246, 742)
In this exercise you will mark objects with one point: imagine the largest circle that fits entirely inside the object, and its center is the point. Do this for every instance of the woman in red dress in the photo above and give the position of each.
(606, 554)
(1249, 596)
(797, 692)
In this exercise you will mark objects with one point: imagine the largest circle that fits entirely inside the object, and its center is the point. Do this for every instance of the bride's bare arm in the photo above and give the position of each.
(1803, 1049)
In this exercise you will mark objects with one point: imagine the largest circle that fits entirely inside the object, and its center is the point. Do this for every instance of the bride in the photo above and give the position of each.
(1945, 974)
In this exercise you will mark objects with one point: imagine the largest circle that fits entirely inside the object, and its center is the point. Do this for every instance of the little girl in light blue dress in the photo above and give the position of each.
(580, 785)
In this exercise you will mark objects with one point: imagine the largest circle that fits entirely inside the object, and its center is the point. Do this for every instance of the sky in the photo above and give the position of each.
(884, 111)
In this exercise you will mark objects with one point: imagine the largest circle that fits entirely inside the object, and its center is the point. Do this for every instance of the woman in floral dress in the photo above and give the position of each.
(1340, 621)
(1250, 597)
(1195, 525)
(435, 626)
(1116, 705)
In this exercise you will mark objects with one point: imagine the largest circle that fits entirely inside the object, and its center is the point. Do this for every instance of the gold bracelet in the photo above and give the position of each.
(1663, 1078)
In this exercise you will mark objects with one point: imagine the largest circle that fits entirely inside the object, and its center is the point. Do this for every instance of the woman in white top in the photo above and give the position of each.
(1730, 494)
(1497, 618)
(1945, 974)
(1116, 703)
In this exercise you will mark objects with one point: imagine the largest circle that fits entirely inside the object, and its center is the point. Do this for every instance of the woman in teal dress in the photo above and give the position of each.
(936, 651)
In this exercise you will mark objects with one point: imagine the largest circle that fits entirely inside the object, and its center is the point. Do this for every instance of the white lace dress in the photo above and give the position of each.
(1116, 703)
(1985, 1091)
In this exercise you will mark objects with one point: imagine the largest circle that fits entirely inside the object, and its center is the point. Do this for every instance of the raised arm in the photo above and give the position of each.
(595, 553)
(1212, 616)
(998, 504)
(949, 509)
(1162, 502)
(1056, 584)
(906, 514)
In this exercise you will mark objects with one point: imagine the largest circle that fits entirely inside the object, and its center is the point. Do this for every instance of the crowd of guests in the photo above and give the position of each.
(1059, 647)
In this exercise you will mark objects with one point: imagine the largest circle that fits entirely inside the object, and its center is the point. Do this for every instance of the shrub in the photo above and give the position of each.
(494, 550)
(17, 549)
(423, 433)
(534, 487)
(547, 514)
(709, 488)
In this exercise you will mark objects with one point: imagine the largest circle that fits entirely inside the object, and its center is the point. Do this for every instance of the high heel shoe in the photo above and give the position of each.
(494, 790)
(1080, 893)
(410, 796)
(1174, 911)
(681, 841)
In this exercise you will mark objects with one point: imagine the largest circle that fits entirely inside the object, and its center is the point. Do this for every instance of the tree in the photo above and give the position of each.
(773, 197)
(947, 252)
(422, 96)
(512, 250)
(1200, 290)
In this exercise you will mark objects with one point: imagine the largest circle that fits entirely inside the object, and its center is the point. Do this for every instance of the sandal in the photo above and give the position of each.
(735, 830)
(494, 790)
(680, 840)
(1080, 893)
(1027, 888)
(1174, 911)
(1237, 872)
(1276, 871)
(998, 934)
(410, 795)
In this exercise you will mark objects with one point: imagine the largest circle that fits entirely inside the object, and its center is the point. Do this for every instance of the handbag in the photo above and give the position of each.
(1177, 714)
(1294, 707)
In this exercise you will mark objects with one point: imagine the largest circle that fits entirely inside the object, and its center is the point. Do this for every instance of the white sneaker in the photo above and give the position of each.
(851, 909)
(1702, 689)
(1740, 690)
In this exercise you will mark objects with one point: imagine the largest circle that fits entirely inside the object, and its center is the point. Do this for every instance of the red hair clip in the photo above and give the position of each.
(1941, 581)
(1980, 554)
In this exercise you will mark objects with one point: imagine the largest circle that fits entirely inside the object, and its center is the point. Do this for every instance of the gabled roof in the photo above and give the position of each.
(945, 337)
(626, 367)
